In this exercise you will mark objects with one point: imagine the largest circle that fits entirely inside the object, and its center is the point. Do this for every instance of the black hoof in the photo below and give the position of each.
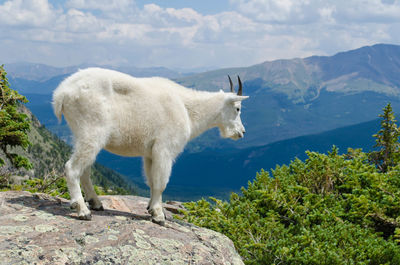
(101, 208)
(91, 204)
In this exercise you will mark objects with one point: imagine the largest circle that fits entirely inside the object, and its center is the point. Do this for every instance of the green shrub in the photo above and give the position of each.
(52, 184)
(329, 209)
(14, 125)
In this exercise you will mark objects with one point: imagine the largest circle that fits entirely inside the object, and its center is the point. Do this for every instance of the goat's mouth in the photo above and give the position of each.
(237, 136)
(231, 134)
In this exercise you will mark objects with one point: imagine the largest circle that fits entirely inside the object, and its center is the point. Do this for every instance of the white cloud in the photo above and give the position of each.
(79, 22)
(282, 11)
(29, 13)
(371, 11)
(103, 5)
(120, 31)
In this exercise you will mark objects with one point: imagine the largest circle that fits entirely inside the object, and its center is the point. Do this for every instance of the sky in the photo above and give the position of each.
(189, 34)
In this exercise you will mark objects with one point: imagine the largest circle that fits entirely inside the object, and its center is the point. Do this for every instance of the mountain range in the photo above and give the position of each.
(42, 73)
(294, 105)
(290, 98)
(370, 68)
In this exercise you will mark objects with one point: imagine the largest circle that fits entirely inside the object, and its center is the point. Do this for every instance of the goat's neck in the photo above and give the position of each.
(204, 111)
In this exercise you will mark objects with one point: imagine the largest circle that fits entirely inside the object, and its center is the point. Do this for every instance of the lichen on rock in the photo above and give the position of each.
(43, 228)
(17, 229)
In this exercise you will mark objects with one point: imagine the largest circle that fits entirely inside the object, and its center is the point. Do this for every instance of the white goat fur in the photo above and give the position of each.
(149, 117)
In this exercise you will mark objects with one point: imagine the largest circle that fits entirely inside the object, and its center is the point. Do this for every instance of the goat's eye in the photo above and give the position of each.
(237, 109)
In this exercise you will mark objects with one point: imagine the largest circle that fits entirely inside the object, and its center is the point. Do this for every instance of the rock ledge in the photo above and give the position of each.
(40, 229)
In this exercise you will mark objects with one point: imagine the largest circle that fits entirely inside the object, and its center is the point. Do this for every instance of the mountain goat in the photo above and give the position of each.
(149, 117)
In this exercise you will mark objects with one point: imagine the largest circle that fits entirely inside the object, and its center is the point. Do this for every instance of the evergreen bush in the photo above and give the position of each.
(14, 125)
(328, 209)
(387, 140)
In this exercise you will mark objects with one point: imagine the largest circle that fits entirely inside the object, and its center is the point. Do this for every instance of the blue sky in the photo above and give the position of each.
(189, 34)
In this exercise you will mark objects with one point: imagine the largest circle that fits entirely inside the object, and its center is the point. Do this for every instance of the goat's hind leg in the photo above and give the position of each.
(73, 172)
(82, 158)
(147, 170)
(90, 194)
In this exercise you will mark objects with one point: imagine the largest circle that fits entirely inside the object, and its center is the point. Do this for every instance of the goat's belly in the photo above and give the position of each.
(125, 150)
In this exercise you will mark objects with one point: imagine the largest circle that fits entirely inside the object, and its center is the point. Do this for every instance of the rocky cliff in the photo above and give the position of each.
(40, 229)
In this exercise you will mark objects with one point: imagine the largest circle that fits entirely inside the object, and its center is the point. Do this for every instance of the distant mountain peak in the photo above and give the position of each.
(369, 68)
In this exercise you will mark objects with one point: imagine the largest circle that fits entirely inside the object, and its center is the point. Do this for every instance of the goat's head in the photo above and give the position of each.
(231, 125)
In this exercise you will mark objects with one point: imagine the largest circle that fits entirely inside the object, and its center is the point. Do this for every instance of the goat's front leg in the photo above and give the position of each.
(160, 172)
(90, 194)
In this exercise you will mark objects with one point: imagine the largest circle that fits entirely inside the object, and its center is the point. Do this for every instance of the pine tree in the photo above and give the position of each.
(387, 140)
(14, 125)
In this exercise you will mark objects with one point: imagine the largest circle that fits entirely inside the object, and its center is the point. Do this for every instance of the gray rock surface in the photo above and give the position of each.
(40, 229)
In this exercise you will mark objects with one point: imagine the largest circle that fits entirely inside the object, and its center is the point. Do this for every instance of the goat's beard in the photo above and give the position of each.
(229, 133)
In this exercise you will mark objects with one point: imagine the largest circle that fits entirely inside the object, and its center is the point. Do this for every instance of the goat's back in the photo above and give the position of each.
(133, 111)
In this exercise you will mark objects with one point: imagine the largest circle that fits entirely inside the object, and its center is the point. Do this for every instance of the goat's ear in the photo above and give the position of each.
(235, 98)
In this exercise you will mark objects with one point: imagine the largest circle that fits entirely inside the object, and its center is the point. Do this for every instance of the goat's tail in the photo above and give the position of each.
(58, 100)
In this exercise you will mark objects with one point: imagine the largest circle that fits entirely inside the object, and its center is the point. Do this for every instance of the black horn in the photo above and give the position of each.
(239, 93)
(230, 82)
